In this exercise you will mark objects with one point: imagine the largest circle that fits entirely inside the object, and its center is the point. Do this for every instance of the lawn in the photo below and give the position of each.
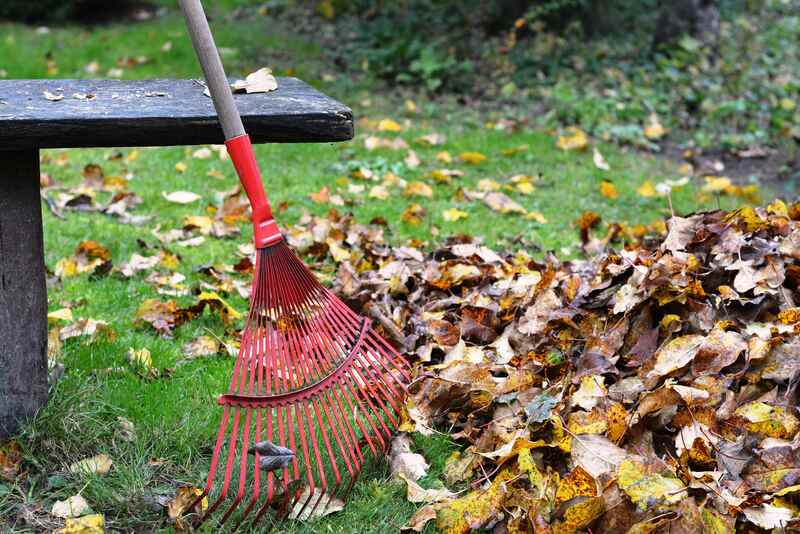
(175, 416)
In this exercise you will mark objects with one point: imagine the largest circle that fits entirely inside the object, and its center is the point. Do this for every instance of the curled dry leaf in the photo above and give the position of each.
(260, 81)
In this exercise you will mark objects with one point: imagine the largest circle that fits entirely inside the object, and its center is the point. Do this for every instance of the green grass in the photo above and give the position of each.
(176, 417)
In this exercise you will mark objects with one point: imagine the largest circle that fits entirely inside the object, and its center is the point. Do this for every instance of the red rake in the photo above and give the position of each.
(313, 386)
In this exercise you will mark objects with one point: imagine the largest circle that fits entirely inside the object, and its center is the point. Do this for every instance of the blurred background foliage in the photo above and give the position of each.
(718, 73)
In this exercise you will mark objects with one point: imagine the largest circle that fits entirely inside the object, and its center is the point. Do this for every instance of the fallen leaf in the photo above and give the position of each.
(201, 346)
(74, 506)
(10, 460)
(608, 190)
(96, 465)
(260, 81)
(573, 139)
(416, 494)
(88, 524)
(325, 505)
(472, 158)
(600, 161)
(500, 202)
(388, 125)
(181, 197)
(454, 214)
(178, 506)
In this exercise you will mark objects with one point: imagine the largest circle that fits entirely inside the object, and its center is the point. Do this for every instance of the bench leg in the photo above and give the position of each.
(23, 291)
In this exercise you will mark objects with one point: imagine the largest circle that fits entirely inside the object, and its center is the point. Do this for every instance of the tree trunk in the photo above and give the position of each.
(697, 18)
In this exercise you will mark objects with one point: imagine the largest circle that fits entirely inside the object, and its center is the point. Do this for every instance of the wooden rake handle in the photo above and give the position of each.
(265, 230)
(214, 73)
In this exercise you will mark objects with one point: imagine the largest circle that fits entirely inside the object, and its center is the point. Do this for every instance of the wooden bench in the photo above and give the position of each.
(106, 113)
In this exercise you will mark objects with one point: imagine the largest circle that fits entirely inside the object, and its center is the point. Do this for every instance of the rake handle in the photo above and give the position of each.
(265, 230)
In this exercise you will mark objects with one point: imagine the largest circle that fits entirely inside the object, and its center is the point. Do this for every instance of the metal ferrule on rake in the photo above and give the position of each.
(312, 380)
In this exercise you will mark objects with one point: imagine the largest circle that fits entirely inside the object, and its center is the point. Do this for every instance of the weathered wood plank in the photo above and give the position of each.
(23, 293)
(159, 113)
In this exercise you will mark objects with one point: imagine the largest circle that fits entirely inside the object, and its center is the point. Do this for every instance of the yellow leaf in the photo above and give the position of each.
(410, 106)
(444, 157)
(526, 188)
(379, 192)
(488, 184)
(64, 314)
(88, 524)
(388, 125)
(184, 498)
(536, 216)
(472, 158)
(413, 214)
(646, 189)
(608, 190)
(787, 104)
(454, 214)
(646, 487)
(420, 189)
(140, 358)
(226, 310)
(574, 139)
(181, 166)
(716, 184)
(766, 420)
(654, 130)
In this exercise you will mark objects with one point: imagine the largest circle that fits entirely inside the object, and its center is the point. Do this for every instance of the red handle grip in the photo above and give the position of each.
(265, 230)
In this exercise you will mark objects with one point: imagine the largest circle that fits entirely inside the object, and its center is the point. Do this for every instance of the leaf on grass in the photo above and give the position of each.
(608, 190)
(74, 506)
(501, 203)
(260, 81)
(653, 130)
(178, 507)
(421, 518)
(472, 158)
(96, 465)
(181, 197)
(86, 327)
(573, 139)
(325, 505)
(646, 190)
(88, 524)
(64, 314)
(388, 125)
(417, 494)
(600, 161)
(404, 462)
(454, 214)
(419, 189)
(201, 346)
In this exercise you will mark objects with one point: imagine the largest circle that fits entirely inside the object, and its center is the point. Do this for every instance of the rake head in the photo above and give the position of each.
(314, 392)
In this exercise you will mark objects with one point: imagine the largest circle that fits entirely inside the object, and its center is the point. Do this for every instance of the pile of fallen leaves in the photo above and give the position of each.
(645, 389)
